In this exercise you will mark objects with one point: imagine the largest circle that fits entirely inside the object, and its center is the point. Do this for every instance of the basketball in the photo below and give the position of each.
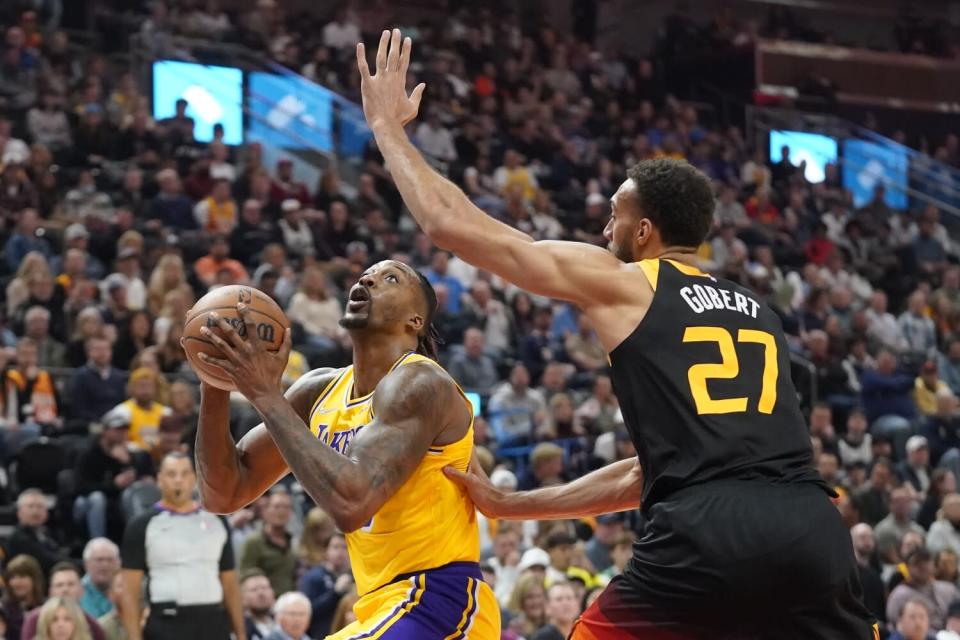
(270, 320)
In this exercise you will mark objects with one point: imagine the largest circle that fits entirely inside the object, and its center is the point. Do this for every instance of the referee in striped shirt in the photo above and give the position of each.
(186, 557)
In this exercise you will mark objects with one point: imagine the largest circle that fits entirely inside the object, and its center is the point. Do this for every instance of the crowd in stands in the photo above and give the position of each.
(115, 224)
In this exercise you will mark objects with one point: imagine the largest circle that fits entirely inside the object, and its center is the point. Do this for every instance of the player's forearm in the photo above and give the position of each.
(334, 482)
(441, 208)
(615, 487)
(219, 467)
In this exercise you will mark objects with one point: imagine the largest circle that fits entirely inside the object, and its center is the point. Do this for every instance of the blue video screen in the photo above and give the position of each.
(865, 164)
(817, 150)
(290, 112)
(214, 96)
(474, 399)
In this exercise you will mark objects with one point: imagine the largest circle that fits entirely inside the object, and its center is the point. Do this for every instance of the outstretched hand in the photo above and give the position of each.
(255, 371)
(385, 99)
(487, 497)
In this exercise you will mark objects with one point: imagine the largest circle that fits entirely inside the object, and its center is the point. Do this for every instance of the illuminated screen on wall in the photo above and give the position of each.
(815, 149)
(865, 164)
(290, 112)
(214, 96)
(474, 399)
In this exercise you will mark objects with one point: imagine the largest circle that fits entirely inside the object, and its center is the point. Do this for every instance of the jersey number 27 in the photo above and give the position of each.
(729, 368)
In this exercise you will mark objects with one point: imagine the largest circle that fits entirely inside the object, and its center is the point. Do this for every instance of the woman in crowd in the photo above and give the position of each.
(17, 290)
(24, 591)
(62, 619)
(528, 605)
(318, 527)
(134, 337)
(169, 275)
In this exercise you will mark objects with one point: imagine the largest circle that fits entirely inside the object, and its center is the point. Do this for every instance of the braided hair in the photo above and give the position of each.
(429, 337)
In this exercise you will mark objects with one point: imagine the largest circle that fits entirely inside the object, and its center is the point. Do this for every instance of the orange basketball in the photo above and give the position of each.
(269, 318)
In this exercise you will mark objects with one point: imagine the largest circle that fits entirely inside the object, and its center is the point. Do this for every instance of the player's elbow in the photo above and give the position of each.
(349, 520)
(218, 502)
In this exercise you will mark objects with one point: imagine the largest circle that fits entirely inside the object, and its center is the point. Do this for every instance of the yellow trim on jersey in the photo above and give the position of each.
(468, 612)
(651, 269)
(687, 269)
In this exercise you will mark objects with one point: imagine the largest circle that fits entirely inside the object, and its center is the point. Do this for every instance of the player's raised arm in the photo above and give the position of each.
(413, 405)
(577, 272)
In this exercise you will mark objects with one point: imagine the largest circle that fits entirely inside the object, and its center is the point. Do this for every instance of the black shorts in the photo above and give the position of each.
(737, 560)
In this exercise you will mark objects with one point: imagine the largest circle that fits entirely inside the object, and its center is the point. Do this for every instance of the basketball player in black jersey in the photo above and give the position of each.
(741, 539)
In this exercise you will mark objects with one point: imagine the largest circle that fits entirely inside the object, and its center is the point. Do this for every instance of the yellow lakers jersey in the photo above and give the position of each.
(429, 522)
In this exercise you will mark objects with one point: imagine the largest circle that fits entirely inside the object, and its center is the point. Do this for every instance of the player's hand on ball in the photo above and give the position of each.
(484, 494)
(385, 99)
(255, 371)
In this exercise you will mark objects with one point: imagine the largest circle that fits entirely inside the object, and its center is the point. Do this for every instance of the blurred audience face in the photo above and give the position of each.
(257, 596)
(563, 607)
(337, 556)
(473, 342)
(921, 570)
(32, 510)
(66, 584)
(102, 562)
(900, 503)
(294, 618)
(863, 540)
(63, 626)
(520, 378)
(278, 511)
(144, 390)
(914, 622)
(505, 546)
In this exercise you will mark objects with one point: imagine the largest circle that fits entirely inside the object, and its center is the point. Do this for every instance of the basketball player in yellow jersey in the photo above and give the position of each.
(368, 443)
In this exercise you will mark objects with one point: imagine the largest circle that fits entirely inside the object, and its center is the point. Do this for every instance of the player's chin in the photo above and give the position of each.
(358, 320)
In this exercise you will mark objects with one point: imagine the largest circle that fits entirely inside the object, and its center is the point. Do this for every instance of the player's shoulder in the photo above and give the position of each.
(310, 385)
(420, 378)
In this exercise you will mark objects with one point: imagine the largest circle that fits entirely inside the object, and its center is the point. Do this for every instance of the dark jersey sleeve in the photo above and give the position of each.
(133, 551)
(227, 560)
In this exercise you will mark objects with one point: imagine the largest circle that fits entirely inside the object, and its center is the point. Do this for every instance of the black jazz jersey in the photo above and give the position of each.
(705, 389)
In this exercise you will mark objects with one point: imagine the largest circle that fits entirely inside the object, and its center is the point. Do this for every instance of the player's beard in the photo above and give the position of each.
(622, 253)
(356, 321)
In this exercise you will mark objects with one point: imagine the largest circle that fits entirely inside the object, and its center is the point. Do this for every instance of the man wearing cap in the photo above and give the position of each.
(76, 236)
(920, 584)
(104, 470)
(128, 265)
(284, 186)
(217, 260)
(536, 561)
(294, 230)
(608, 530)
(916, 468)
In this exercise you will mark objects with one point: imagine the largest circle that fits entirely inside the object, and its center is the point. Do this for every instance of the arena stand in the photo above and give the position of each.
(116, 221)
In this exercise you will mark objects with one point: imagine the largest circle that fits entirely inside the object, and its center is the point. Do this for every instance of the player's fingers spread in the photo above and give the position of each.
(405, 55)
(218, 342)
(362, 63)
(393, 58)
(382, 51)
(417, 94)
